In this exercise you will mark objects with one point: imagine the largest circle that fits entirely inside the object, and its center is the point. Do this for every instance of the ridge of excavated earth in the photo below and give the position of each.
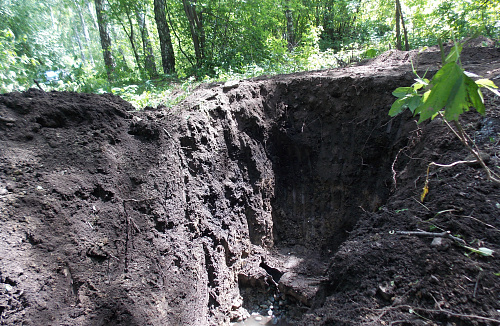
(276, 196)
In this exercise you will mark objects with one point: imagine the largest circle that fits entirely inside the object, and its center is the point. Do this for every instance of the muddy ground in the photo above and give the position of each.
(277, 196)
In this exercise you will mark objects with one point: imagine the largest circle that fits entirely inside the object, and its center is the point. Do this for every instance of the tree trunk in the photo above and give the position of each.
(109, 61)
(149, 59)
(405, 32)
(196, 29)
(92, 13)
(167, 50)
(85, 31)
(290, 37)
(53, 20)
(77, 36)
(398, 28)
(132, 42)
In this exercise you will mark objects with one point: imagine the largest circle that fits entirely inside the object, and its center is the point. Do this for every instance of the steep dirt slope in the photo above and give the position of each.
(273, 195)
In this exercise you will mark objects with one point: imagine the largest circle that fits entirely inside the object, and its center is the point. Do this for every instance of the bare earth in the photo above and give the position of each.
(277, 196)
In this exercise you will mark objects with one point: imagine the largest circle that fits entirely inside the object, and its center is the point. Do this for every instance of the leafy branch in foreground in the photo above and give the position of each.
(451, 92)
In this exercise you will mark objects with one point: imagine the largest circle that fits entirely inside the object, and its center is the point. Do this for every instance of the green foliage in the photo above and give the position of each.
(451, 90)
(242, 39)
(15, 71)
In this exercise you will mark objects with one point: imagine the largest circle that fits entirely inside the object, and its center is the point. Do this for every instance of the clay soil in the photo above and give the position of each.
(280, 196)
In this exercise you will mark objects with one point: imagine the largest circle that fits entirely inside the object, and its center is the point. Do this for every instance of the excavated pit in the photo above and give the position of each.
(315, 153)
(238, 201)
(244, 193)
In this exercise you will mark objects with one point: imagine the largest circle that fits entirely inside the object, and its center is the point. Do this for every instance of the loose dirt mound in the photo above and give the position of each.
(276, 196)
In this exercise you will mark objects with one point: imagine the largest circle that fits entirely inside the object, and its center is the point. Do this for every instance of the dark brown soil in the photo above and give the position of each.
(279, 196)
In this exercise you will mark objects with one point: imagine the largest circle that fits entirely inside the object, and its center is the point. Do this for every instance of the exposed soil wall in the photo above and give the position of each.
(274, 192)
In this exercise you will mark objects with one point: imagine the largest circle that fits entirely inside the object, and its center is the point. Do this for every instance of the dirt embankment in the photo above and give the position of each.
(272, 195)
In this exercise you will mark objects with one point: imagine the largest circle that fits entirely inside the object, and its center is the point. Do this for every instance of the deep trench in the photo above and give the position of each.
(331, 150)
(208, 197)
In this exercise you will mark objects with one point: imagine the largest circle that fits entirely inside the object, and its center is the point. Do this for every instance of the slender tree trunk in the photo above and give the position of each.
(109, 61)
(92, 13)
(77, 36)
(121, 60)
(132, 42)
(52, 18)
(405, 32)
(167, 50)
(85, 31)
(196, 29)
(398, 28)
(149, 59)
(290, 37)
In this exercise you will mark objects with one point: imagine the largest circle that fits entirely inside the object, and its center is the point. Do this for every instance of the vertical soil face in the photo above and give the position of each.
(273, 195)
(332, 146)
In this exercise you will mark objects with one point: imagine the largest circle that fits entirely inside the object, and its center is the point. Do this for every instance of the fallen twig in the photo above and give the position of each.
(462, 135)
(477, 284)
(451, 313)
(445, 234)
(447, 312)
(478, 220)
(37, 84)
(7, 120)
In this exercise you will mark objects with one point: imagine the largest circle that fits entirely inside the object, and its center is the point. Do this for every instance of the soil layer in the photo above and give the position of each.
(280, 197)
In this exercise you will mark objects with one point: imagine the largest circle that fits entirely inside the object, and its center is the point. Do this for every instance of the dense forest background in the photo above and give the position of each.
(147, 50)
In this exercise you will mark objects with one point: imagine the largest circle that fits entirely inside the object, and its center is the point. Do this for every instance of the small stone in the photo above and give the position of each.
(258, 318)
(269, 312)
(8, 287)
(230, 84)
(3, 191)
(386, 290)
(437, 242)
(237, 302)
(264, 306)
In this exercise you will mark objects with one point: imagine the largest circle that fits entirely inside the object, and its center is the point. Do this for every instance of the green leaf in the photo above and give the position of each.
(454, 53)
(420, 83)
(371, 53)
(414, 102)
(411, 101)
(481, 251)
(485, 83)
(458, 100)
(402, 91)
(397, 107)
(453, 91)
(476, 98)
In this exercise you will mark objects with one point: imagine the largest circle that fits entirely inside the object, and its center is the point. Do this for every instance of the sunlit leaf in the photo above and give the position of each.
(486, 83)
(471, 74)
(402, 91)
(453, 91)
(397, 107)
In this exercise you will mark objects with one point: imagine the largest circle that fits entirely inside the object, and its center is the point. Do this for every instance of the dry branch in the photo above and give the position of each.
(446, 234)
